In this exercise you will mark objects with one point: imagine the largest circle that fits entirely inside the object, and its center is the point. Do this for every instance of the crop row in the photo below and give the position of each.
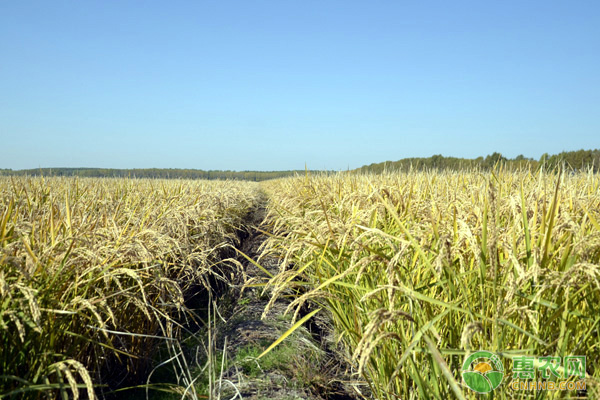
(420, 269)
(95, 272)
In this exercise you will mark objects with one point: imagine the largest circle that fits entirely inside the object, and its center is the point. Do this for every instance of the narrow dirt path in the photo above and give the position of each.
(306, 365)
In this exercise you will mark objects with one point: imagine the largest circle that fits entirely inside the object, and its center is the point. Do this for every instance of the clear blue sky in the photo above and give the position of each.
(269, 85)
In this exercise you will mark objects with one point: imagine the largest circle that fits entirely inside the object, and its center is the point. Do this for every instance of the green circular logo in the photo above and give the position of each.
(483, 371)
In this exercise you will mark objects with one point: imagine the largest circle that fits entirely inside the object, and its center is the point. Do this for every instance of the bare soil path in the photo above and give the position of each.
(306, 365)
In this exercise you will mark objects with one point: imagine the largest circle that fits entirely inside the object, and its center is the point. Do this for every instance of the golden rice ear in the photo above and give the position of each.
(468, 332)
(476, 259)
(100, 266)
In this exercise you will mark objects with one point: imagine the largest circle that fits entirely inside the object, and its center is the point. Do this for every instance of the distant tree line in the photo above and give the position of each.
(155, 173)
(574, 160)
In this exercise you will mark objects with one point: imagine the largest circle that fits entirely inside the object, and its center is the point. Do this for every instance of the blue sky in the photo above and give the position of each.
(270, 85)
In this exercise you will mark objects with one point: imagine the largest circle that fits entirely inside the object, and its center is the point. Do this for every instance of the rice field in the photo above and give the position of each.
(421, 269)
(418, 270)
(94, 274)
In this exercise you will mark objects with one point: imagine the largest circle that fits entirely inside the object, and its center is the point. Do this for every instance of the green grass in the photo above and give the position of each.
(280, 359)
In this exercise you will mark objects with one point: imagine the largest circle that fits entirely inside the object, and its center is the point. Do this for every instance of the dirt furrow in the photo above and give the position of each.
(306, 365)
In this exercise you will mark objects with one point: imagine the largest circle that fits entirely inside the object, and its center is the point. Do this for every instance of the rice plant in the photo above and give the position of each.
(94, 274)
(421, 269)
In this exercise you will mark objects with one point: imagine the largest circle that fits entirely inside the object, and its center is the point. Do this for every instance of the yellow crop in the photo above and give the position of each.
(93, 272)
(420, 269)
